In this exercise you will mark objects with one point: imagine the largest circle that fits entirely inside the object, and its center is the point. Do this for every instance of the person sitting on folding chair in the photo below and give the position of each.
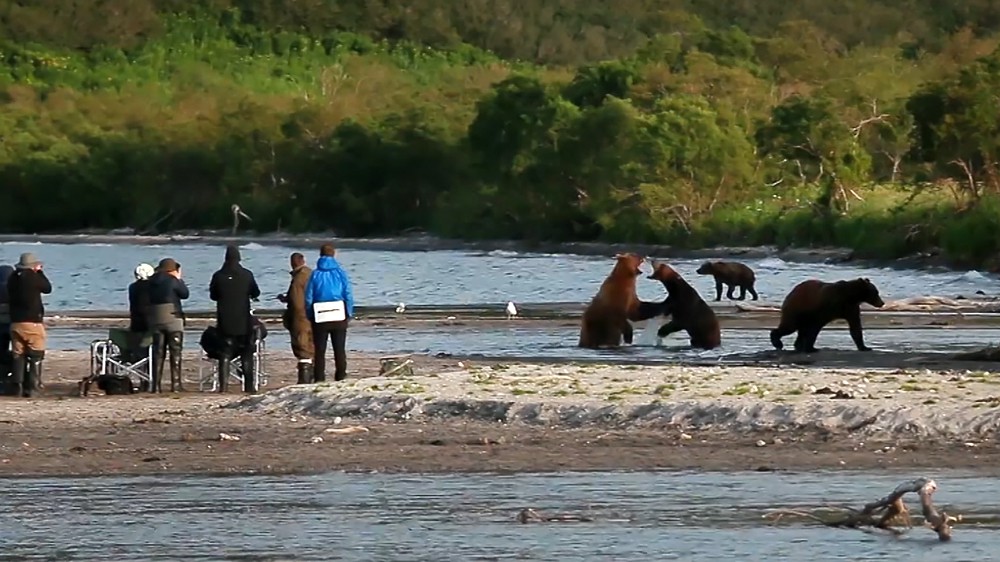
(232, 288)
(138, 309)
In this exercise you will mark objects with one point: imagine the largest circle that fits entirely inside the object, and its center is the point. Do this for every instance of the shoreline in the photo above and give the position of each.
(422, 242)
(560, 416)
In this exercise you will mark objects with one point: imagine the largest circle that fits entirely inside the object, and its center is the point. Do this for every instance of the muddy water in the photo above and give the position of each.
(95, 276)
(369, 517)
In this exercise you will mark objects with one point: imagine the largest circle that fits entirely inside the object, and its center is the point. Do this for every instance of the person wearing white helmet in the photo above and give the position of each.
(138, 299)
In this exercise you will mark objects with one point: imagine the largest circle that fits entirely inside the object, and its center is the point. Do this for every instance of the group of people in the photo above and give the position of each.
(319, 304)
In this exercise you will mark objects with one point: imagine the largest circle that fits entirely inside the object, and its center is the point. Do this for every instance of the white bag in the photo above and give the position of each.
(333, 311)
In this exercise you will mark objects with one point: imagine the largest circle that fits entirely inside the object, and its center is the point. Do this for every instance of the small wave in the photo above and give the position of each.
(252, 246)
(772, 263)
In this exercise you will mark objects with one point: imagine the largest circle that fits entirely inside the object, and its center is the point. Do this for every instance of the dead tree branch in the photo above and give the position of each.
(883, 514)
(875, 117)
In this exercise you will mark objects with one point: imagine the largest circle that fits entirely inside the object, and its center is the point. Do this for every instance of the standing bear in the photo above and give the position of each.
(813, 304)
(688, 311)
(607, 319)
(733, 275)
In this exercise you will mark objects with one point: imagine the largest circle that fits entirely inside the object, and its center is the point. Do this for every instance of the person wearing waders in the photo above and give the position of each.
(6, 388)
(166, 290)
(25, 288)
(232, 288)
(295, 319)
(330, 305)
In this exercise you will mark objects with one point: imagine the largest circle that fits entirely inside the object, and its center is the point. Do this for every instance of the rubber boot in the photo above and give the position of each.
(18, 370)
(32, 375)
(249, 369)
(35, 370)
(159, 358)
(176, 349)
(305, 371)
(224, 375)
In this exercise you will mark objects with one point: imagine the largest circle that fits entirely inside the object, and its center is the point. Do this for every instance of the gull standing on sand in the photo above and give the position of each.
(237, 213)
(511, 310)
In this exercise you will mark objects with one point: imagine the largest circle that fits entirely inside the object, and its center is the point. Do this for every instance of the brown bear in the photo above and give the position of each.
(733, 274)
(813, 304)
(688, 311)
(607, 319)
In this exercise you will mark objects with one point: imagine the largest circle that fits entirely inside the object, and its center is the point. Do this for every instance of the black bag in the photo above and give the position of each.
(213, 343)
(113, 385)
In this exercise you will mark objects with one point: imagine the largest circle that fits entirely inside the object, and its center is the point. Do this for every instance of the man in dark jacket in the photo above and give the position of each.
(166, 321)
(295, 319)
(330, 305)
(25, 288)
(232, 288)
(5, 355)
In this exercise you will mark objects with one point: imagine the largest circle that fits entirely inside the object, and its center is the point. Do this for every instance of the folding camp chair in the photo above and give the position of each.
(208, 370)
(123, 353)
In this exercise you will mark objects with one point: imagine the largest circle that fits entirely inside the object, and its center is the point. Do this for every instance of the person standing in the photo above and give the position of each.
(295, 319)
(5, 273)
(232, 288)
(166, 320)
(329, 302)
(25, 288)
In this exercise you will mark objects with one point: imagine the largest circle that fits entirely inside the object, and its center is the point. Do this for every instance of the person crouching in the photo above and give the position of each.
(295, 319)
(25, 288)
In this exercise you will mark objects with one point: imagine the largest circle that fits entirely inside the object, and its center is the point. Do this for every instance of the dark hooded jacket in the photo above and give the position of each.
(5, 271)
(138, 306)
(25, 288)
(232, 288)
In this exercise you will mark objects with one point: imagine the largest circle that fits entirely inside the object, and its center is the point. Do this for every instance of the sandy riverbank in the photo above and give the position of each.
(453, 415)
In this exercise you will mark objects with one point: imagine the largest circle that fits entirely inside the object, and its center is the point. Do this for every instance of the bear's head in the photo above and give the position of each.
(663, 272)
(705, 268)
(868, 292)
(628, 264)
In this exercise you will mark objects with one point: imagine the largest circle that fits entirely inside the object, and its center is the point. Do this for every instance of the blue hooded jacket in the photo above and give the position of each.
(329, 283)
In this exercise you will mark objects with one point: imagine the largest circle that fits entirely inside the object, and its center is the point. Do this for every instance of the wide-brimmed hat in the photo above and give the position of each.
(167, 265)
(27, 261)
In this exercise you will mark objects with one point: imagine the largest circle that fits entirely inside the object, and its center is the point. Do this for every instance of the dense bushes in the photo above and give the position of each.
(367, 119)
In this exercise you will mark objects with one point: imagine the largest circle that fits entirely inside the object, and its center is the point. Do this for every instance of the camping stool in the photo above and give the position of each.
(400, 365)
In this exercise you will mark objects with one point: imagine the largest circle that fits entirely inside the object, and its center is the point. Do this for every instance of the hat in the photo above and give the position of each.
(167, 265)
(28, 261)
(143, 271)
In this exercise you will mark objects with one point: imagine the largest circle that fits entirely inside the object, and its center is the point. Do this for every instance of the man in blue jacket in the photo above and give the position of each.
(329, 306)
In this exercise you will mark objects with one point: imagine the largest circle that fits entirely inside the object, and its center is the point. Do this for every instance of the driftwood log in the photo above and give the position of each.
(883, 514)
(529, 515)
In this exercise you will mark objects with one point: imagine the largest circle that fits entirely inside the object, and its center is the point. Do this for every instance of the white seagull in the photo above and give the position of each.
(511, 310)
(237, 213)
(400, 308)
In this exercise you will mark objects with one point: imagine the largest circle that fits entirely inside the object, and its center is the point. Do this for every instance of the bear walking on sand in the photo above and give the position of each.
(688, 311)
(607, 319)
(813, 304)
(732, 274)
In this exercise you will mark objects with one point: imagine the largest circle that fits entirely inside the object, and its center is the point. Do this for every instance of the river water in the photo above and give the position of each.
(374, 517)
(95, 276)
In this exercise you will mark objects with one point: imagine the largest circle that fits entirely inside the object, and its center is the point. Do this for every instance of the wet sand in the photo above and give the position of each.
(62, 434)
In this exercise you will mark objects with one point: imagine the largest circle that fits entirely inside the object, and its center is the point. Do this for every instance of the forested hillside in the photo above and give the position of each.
(872, 125)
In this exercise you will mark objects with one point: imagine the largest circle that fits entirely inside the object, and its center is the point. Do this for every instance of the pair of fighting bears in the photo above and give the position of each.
(809, 307)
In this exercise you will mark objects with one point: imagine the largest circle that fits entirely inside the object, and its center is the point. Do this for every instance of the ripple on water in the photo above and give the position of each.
(95, 276)
(679, 516)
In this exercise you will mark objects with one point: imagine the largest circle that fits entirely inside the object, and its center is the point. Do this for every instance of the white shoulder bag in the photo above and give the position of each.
(333, 311)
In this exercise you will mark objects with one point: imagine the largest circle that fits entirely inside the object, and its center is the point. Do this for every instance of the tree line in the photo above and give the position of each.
(653, 122)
